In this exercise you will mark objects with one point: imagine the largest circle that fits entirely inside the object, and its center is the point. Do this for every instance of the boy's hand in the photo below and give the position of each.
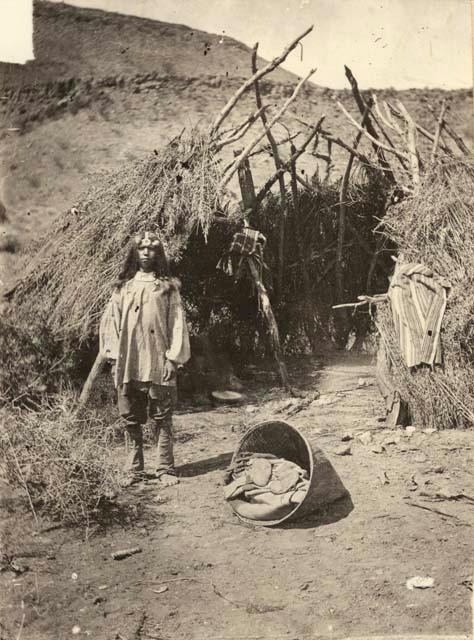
(170, 371)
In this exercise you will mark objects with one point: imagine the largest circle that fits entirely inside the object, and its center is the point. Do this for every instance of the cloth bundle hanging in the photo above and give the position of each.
(246, 244)
(418, 299)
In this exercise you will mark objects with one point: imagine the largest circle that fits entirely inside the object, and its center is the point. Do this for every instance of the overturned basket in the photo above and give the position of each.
(285, 441)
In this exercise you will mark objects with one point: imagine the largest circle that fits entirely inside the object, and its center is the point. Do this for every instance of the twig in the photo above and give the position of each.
(424, 132)
(256, 76)
(210, 583)
(242, 131)
(285, 167)
(441, 513)
(457, 139)
(226, 179)
(376, 299)
(388, 122)
(375, 141)
(124, 553)
(236, 129)
(360, 156)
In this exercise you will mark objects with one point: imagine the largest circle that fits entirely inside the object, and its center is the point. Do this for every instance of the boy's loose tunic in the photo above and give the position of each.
(143, 326)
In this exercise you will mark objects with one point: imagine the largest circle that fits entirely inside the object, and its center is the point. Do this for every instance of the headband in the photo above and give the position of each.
(147, 239)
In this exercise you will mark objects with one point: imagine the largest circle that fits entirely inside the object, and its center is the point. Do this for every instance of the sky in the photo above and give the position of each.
(387, 43)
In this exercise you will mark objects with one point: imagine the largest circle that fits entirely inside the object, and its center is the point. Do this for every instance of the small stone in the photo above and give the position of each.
(344, 451)
(74, 577)
(420, 582)
(410, 430)
(365, 438)
(429, 431)
(161, 589)
(347, 437)
(76, 630)
(250, 409)
(420, 457)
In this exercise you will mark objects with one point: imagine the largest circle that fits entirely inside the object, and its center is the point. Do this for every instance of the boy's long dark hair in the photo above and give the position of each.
(131, 265)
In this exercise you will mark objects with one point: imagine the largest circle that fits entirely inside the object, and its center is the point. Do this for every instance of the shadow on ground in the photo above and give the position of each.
(201, 467)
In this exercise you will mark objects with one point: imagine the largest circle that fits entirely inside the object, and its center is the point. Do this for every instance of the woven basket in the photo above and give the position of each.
(285, 441)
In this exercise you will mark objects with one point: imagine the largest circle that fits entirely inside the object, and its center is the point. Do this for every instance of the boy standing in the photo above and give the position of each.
(143, 333)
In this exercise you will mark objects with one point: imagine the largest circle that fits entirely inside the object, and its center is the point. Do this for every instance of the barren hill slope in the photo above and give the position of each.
(86, 43)
(128, 85)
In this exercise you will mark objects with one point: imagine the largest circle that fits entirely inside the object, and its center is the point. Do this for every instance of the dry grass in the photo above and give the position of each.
(174, 192)
(436, 227)
(63, 464)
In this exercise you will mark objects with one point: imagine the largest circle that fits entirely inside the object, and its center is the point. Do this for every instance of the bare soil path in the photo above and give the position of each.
(203, 574)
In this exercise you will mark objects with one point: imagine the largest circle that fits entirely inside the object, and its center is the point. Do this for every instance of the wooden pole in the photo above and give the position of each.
(271, 181)
(340, 321)
(226, 179)
(411, 141)
(370, 128)
(91, 378)
(375, 140)
(439, 129)
(420, 129)
(272, 325)
(256, 76)
(342, 212)
(308, 303)
(281, 178)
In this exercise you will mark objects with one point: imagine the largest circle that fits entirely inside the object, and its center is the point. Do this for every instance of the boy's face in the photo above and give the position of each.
(146, 257)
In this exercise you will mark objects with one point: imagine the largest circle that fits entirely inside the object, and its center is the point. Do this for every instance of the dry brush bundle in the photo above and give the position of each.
(173, 192)
(63, 464)
(435, 226)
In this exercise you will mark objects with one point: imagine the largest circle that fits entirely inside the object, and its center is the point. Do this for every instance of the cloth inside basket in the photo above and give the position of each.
(264, 487)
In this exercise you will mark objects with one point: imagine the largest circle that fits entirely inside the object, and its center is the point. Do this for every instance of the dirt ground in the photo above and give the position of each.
(202, 573)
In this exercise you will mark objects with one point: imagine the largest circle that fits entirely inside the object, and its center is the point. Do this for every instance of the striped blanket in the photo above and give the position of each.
(247, 244)
(418, 302)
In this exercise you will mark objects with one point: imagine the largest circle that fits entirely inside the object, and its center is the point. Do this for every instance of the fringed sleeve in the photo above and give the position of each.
(109, 329)
(179, 351)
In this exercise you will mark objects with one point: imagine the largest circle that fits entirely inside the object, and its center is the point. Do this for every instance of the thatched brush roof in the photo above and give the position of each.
(173, 192)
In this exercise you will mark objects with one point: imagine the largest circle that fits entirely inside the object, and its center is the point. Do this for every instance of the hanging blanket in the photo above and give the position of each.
(418, 301)
(245, 244)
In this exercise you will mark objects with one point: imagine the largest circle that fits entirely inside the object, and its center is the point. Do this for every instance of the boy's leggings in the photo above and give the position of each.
(135, 401)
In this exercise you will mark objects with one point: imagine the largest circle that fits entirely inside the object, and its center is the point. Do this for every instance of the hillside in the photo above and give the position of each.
(106, 103)
(70, 42)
